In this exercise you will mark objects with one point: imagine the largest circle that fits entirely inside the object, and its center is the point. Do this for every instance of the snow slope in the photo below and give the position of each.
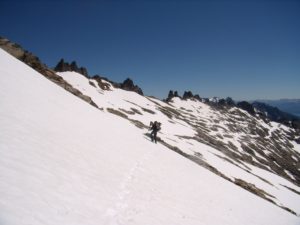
(63, 161)
(188, 117)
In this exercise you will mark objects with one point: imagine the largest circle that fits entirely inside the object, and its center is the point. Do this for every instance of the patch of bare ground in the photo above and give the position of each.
(156, 103)
(103, 85)
(264, 180)
(230, 161)
(291, 189)
(148, 110)
(127, 111)
(197, 158)
(123, 115)
(259, 192)
(117, 112)
(169, 112)
(131, 112)
(138, 124)
(142, 108)
(92, 84)
(253, 189)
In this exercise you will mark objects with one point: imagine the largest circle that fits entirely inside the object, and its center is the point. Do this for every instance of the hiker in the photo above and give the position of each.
(155, 127)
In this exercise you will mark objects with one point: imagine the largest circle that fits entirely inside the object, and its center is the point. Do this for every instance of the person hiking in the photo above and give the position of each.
(155, 127)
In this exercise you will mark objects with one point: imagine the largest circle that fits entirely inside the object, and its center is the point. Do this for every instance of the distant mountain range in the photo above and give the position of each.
(291, 106)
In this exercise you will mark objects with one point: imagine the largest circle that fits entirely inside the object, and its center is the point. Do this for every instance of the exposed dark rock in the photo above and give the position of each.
(63, 66)
(83, 71)
(291, 189)
(128, 85)
(171, 95)
(74, 66)
(35, 63)
(101, 84)
(274, 114)
(222, 102)
(187, 95)
(229, 101)
(92, 84)
(205, 100)
(246, 106)
(255, 190)
(197, 97)
(117, 112)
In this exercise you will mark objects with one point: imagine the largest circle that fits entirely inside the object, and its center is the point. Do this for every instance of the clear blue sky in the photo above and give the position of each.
(239, 48)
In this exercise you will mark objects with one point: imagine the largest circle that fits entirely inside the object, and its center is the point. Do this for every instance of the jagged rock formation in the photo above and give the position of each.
(101, 84)
(274, 114)
(35, 63)
(189, 95)
(186, 95)
(171, 95)
(246, 106)
(128, 85)
(291, 106)
(229, 101)
(63, 66)
(270, 113)
(266, 112)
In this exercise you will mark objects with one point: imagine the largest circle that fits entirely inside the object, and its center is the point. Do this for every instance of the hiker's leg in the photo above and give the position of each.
(151, 135)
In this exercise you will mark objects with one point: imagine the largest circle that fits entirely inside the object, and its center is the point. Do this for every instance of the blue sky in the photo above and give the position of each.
(243, 49)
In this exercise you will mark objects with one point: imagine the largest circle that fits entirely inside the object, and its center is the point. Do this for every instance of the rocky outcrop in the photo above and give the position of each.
(101, 84)
(274, 114)
(246, 106)
(229, 101)
(63, 66)
(186, 95)
(171, 95)
(35, 63)
(25, 56)
(189, 95)
(128, 85)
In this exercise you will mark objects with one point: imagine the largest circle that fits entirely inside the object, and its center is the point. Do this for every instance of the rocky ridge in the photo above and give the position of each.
(34, 62)
(263, 110)
(63, 66)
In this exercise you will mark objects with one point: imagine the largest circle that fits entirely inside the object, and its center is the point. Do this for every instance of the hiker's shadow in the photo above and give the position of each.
(148, 137)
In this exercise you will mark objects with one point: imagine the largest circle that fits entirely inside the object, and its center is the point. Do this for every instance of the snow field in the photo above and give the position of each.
(120, 99)
(63, 161)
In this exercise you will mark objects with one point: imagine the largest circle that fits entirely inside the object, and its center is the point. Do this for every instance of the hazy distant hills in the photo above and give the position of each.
(287, 105)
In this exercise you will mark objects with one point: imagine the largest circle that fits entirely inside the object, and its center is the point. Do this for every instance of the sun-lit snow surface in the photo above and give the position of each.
(174, 129)
(63, 161)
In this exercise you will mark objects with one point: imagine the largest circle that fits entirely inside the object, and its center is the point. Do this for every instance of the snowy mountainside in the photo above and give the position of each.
(63, 161)
(261, 157)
